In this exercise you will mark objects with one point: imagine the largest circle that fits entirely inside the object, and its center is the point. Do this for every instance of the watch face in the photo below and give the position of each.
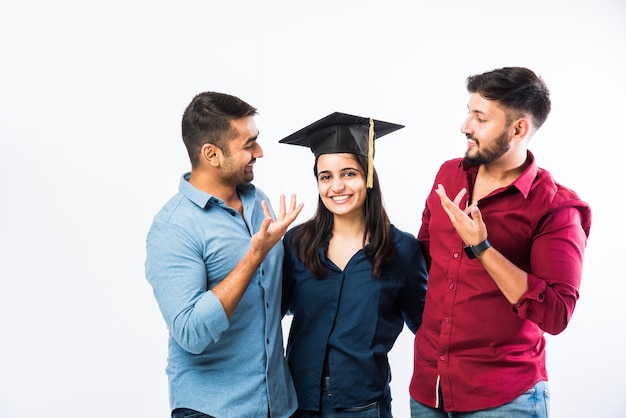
(469, 250)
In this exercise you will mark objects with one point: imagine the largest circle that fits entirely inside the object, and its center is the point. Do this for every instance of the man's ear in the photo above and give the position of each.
(521, 129)
(210, 154)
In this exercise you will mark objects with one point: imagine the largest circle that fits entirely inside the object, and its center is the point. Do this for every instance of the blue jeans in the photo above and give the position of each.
(188, 413)
(377, 409)
(534, 403)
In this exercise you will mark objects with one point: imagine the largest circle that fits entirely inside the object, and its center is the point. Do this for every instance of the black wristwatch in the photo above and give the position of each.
(474, 251)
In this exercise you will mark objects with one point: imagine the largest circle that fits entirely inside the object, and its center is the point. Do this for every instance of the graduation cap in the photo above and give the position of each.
(339, 133)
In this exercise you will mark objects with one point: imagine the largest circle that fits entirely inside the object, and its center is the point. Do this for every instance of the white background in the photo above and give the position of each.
(91, 96)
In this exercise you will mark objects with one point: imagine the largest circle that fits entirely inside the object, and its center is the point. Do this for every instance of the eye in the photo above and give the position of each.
(323, 177)
(351, 173)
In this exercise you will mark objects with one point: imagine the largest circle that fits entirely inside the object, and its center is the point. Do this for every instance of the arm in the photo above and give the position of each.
(175, 268)
(288, 282)
(547, 296)
(557, 263)
(424, 235)
(511, 280)
(413, 296)
(230, 290)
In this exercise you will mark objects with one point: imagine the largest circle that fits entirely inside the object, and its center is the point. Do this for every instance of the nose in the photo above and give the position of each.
(465, 127)
(258, 151)
(338, 184)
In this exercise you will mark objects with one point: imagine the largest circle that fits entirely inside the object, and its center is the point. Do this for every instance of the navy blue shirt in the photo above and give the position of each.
(355, 316)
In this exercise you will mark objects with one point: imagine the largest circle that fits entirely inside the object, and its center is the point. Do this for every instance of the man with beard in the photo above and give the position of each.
(505, 261)
(215, 269)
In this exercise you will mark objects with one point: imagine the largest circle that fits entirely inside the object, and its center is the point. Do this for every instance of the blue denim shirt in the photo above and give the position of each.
(219, 367)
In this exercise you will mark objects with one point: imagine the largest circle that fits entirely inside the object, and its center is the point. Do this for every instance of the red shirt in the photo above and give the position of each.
(483, 351)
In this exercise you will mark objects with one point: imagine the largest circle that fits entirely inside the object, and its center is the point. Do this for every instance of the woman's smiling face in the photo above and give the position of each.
(341, 184)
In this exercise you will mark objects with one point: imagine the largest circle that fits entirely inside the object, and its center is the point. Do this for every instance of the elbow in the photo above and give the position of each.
(192, 348)
(191, 342)
(554, 330)
(559, 322)
(192, 335)
(557, 326)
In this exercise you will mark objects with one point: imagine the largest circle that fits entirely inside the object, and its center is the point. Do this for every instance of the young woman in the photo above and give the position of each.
(350, 278)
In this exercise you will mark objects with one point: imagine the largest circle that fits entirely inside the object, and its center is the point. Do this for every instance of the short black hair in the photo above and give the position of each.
(207, 120)
(517, 89)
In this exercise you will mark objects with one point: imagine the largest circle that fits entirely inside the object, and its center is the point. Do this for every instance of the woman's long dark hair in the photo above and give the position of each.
(309, 237)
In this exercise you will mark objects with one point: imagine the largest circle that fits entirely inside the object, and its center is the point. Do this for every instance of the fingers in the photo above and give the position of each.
(475, 214)
(294, 208)
(459, 197)
(266, 210)
(284, 218)
(449, 205)
(293, 211)
(441, 192)
(281, 210)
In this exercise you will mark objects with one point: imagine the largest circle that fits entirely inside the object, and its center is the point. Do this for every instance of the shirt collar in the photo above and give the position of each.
(525, 181)
(202, 199)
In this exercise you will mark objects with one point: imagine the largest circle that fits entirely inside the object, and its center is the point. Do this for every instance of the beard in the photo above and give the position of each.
(234, 174)
(490, 154)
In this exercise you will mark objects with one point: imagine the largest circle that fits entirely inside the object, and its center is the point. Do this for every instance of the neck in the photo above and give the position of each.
(349, 225)
(212, 185)
(506, 168)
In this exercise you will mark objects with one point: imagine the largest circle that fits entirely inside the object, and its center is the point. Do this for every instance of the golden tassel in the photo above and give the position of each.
(370, 157)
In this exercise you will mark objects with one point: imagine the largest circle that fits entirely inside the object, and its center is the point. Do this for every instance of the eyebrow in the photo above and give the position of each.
(475, 111)
(479, 112)
(252, 139)
(342, 170)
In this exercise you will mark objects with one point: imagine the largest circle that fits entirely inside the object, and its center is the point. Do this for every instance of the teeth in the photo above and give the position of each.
(340, 198)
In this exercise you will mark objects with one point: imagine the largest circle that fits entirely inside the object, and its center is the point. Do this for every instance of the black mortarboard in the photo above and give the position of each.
(340, 132)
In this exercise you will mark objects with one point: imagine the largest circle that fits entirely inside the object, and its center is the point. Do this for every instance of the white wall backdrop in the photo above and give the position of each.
(91, 95)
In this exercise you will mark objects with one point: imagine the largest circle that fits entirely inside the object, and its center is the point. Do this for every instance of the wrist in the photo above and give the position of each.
(474, 251)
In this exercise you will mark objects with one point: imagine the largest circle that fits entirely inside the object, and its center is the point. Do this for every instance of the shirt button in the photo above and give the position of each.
(451, 286)
(455, 255)
(267, 305)
(442, 358)
(447, 319)
(267, 340)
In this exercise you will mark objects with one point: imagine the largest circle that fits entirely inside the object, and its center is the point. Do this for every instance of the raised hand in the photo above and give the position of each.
(468, 223)
(271, 231)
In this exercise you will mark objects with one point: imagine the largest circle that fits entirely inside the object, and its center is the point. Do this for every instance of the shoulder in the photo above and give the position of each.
(404, 242)
(451, 170)
(560, 197)
(453, 164)
(558, 194)
(174, 208)
(408, 254)
(292, 235)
